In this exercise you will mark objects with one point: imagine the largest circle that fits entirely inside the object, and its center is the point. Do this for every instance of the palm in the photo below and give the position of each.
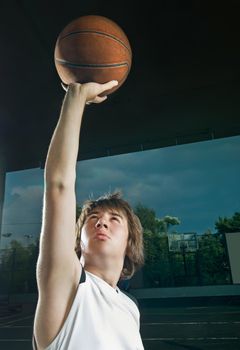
(93, 90)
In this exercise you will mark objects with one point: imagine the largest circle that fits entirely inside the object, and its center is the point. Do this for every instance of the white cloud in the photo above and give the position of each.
(196, 182)
(25, 204)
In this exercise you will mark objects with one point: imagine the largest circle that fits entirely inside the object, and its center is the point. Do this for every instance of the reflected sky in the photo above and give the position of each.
(196, 182)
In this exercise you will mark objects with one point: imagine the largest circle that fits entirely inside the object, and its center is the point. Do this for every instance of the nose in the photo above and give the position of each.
(101, 223)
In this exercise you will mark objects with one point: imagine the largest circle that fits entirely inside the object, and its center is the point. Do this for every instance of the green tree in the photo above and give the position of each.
(157, 268)
(232, 224)
(18, 268)
(148, 218)
(150, 222)
(212, 259)
(167, 221)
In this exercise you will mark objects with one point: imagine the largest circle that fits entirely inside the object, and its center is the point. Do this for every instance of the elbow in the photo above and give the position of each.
(59, 184)
(59, 180)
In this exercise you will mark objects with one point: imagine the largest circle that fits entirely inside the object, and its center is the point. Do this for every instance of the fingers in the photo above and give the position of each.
(104, 87)
(109, 85)
(97, 99)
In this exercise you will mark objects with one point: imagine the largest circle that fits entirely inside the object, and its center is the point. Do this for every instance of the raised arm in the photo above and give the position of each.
(58, 265)
(57, 238)
(63, 150)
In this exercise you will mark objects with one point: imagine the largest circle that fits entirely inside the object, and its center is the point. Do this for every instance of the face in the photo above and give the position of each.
(105, 232)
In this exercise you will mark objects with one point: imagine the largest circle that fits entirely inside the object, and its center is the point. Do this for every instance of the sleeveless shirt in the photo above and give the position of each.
(100, 318)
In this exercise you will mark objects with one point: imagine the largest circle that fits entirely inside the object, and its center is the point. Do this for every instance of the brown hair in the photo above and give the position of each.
(134, 257)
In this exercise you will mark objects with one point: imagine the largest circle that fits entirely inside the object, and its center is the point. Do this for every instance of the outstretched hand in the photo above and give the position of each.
(92, 91)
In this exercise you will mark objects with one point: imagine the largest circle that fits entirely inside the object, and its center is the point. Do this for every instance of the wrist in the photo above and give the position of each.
(75, 91)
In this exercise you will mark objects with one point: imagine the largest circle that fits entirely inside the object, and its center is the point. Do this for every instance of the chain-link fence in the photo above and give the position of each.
(208, 265)
(18, 269)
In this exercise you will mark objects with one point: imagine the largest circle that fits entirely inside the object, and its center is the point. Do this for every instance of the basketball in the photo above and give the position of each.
(93, 49)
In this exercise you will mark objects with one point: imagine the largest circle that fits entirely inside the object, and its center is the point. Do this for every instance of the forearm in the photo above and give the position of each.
(60, 167)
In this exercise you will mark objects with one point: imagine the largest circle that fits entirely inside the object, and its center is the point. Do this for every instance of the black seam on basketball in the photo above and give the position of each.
(99, 33)
(83, 65)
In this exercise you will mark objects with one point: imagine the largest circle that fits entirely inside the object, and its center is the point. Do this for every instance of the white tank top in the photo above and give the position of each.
(100, 318)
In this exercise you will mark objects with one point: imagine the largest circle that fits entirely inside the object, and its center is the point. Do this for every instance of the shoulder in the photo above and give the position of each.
(130, 296)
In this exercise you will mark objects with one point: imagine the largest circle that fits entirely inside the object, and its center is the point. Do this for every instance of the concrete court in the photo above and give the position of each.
(215, 327)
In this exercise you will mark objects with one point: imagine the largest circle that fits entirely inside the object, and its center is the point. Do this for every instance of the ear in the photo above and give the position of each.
(129, 246)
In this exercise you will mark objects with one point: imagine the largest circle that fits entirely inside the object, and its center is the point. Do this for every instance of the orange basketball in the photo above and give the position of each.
(93, 49)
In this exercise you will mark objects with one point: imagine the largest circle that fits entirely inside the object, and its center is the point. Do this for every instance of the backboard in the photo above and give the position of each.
(182, 242)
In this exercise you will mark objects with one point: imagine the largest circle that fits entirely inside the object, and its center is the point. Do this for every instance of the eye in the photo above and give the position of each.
(115, 218)
(93, 216)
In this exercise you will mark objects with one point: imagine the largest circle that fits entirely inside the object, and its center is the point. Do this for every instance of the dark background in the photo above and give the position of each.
(183, 86)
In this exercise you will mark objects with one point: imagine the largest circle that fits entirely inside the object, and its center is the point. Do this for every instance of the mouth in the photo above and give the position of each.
(101, 235)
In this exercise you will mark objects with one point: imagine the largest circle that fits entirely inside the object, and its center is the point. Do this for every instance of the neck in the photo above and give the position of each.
(110, 272)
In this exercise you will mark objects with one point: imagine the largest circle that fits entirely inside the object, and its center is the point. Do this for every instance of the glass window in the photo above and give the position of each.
(182, 191)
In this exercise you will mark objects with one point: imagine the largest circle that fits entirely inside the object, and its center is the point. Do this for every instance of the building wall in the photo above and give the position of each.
(233, 244)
